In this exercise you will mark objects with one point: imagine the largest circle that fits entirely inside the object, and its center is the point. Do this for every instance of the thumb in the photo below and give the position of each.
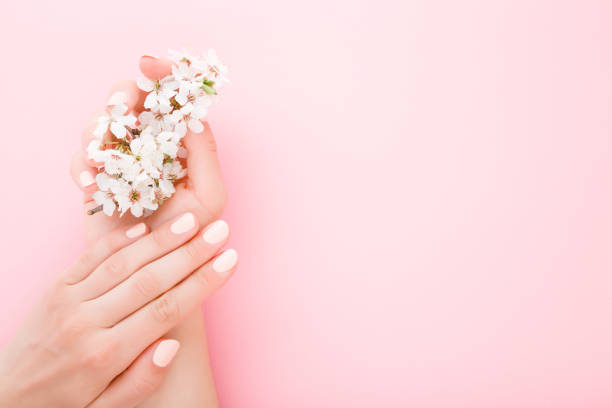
(204, 172)
(155, 68)
(141, 379)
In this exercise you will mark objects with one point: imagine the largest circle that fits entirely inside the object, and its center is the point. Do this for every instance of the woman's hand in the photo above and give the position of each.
(202, 190)
(94, 338)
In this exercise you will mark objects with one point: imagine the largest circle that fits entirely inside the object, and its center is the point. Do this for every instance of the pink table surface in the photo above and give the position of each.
(420, 191)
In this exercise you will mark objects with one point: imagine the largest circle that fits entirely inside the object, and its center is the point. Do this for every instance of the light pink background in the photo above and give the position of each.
(420, 191)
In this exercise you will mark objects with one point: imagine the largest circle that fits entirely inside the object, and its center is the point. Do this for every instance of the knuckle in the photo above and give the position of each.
(114, 266)
(211, 144)
(99, 357)
(146, 284)
(146, 385)
(159, 238)
(87, 259)
(71, 330)
(166, 309)
(202, 278)
(59, 306)
(190, 251)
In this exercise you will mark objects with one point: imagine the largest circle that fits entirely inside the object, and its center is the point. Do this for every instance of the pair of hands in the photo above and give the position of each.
(94, 339)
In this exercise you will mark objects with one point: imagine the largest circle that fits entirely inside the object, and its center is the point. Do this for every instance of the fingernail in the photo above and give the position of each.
(165, 352)
(216, 232)
(117, 98)
(226, 261)
(183, 224)
(86, 179)
(136, 231)
(149, 57)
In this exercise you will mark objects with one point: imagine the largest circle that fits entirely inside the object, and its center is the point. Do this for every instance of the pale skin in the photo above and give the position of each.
(202, 191)
(61, 318)
(95, 338)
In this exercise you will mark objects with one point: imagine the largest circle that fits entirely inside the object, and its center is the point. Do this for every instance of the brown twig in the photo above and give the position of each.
(95, 210)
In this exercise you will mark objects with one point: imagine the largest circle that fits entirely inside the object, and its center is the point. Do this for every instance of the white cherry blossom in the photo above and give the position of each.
(147, 153)
(116, 120)
(139, 168)
(134, 197)
(160, 93)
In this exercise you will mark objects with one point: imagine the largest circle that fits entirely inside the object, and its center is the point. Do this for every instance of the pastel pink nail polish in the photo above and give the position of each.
(225, 262)
(216, 232)
(136, 231)
(165, 352)
(183, 224)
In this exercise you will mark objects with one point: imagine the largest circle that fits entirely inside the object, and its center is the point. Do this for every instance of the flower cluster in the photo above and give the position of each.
(140, 157)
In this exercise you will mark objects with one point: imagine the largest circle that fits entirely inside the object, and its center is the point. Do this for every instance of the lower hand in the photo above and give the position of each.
(94, 338)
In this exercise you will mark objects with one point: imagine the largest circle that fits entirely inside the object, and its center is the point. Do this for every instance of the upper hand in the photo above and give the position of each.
(201, 191)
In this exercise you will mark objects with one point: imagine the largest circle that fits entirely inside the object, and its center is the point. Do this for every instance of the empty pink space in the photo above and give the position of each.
(420, 191)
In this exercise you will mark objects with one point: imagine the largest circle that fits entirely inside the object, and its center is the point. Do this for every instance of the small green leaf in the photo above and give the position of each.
(209, 89)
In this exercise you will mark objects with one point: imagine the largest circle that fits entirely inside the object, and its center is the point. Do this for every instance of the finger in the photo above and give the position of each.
(155, 68)
(160, 275)
(83, 175)
(101, 250)
(204, 171)
(123, 263)
(165, 312)
(140, 379)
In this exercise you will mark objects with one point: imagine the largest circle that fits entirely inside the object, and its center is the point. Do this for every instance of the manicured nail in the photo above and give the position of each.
(216, 232)
(86, 179)
(165, 352)
(136, 231)
(226, 261)
(117, 98)
(149, 57)
(183, 224)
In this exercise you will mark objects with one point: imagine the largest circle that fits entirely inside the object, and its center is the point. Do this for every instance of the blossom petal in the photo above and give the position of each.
(187, 109)
(199, 111)
(117, 98)
(102, 126)
(104, 181)
(181, 129)
(146, 117)
(128, 120)
(136, 210)
(99, 197)
(164, 107)
(170, 149)
(150, 101)
(136, 145)
(195, 126)
(145, 84)
(118, 110)
(109, 207)
(118, 130)
(166, 187)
